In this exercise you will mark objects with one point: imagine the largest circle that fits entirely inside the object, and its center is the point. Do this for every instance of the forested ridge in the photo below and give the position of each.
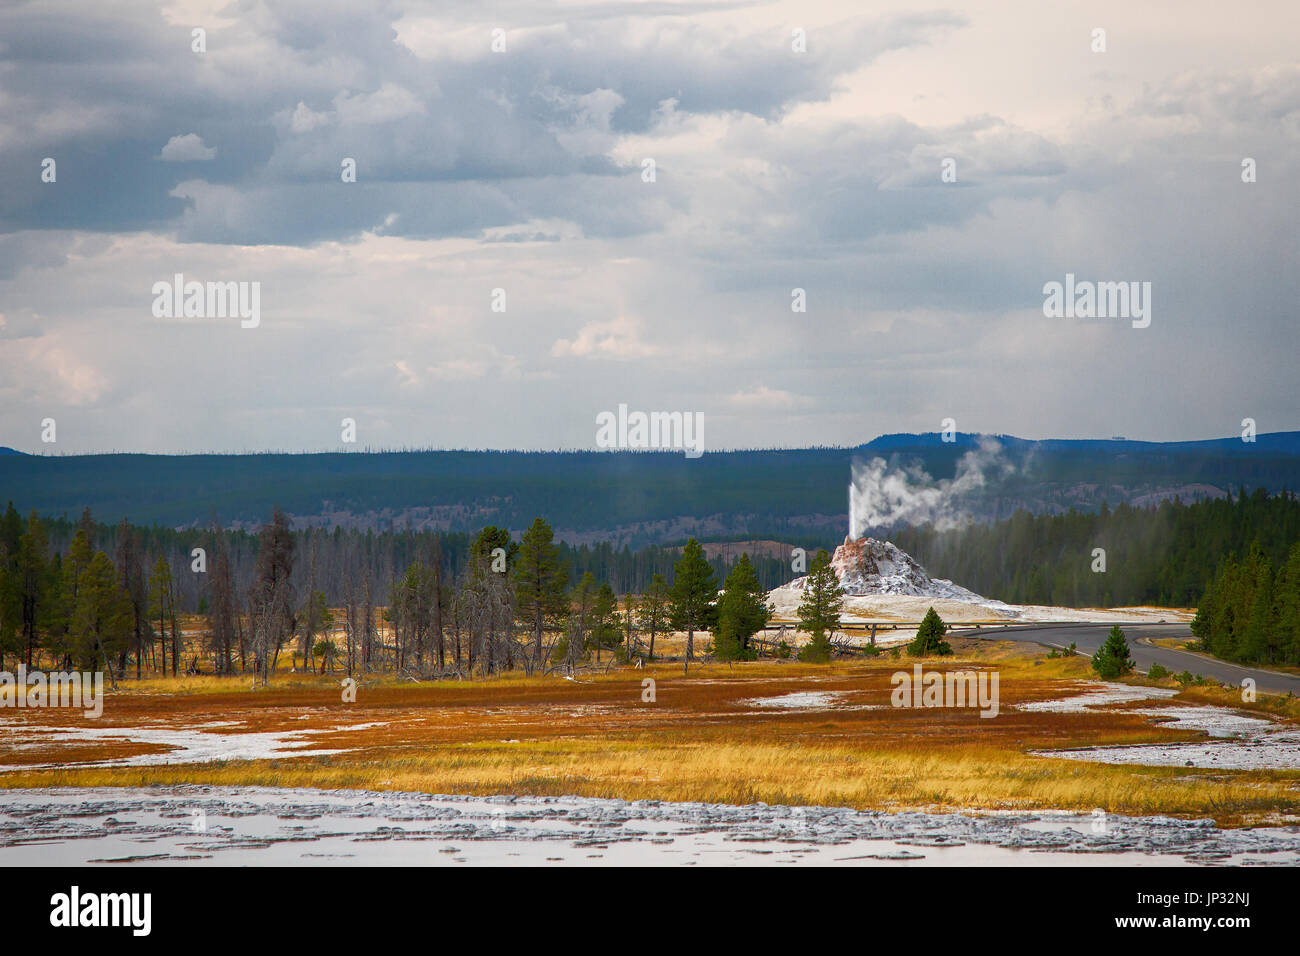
(629, 497)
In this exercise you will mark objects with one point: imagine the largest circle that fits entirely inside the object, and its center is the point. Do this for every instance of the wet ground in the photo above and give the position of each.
(1238, 741)
(269, 826)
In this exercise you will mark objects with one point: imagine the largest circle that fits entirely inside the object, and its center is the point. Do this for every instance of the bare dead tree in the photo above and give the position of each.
(271, 598)
(222, 610)
(367, 626)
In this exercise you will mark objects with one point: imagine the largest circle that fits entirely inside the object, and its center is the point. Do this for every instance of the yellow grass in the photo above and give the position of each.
(696, 741)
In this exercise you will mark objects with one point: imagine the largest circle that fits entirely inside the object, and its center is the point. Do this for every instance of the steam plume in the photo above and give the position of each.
(882, 495)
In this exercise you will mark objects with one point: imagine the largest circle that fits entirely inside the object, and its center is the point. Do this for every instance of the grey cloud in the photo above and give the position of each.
(924, 297)
(487, 119)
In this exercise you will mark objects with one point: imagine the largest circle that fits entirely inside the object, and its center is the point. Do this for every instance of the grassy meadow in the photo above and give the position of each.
(697, 740)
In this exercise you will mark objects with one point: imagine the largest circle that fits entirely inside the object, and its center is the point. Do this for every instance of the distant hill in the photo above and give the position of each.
(6, 450)
(628, 497)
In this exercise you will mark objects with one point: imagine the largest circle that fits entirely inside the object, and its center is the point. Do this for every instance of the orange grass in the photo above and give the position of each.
(697, 741)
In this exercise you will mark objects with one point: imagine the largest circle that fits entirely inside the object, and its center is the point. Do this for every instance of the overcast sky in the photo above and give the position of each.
(522, 170)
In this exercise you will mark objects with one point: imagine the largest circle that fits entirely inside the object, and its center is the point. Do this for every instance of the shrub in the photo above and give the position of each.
(929, 637)
(1112, 658)
(816, 651)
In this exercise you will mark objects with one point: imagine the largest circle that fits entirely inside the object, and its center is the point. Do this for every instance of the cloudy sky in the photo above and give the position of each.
(523, 169)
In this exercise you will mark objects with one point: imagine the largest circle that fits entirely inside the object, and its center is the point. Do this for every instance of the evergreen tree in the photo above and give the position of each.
(491, 538)
(653, 609)
(1227, 611)
(819, 608)
(73, 571)
(36, 583)
(1206, 610)
(929, 637)
(692, 595)
(11, 583)
(1260, 632)
(572, 646)
(1112, 658)
(540, 582)
(101, 619)
(606, 628)
(1288, 607)
(742, 612)
(314, 618)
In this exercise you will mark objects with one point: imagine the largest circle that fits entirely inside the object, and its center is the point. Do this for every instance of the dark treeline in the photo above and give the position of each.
(112, 596)
(1250, 612)
(441, 601)
(1165, 555)
(377, 554)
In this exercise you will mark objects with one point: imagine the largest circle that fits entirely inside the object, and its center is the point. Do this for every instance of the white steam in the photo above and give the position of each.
(881, 496)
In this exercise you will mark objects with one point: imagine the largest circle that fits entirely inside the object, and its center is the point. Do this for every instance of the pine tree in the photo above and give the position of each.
(35, 582)
(73, 570)
(572, 647)
(606, 628)
(1259, 633)
(540, 583)
(102, 619)
(1202, 626)
(819, 608)
(692, 595)
(742, 612)
(1112, 658)
(315, 618)
(11, 583)
(929, 637)
(1288, 607)
(653, 609)
(491, 538)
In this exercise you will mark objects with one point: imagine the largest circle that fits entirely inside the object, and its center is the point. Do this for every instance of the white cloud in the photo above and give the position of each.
(763, 398)
(618, 338)
(304, 119)
(186, 148)
(388, 103)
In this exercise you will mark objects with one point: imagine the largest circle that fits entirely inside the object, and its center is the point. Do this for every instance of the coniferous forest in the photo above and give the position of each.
(1164, 555)
(76, 590)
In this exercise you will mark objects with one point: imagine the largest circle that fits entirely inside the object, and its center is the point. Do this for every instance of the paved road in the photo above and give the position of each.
(1088, 637)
